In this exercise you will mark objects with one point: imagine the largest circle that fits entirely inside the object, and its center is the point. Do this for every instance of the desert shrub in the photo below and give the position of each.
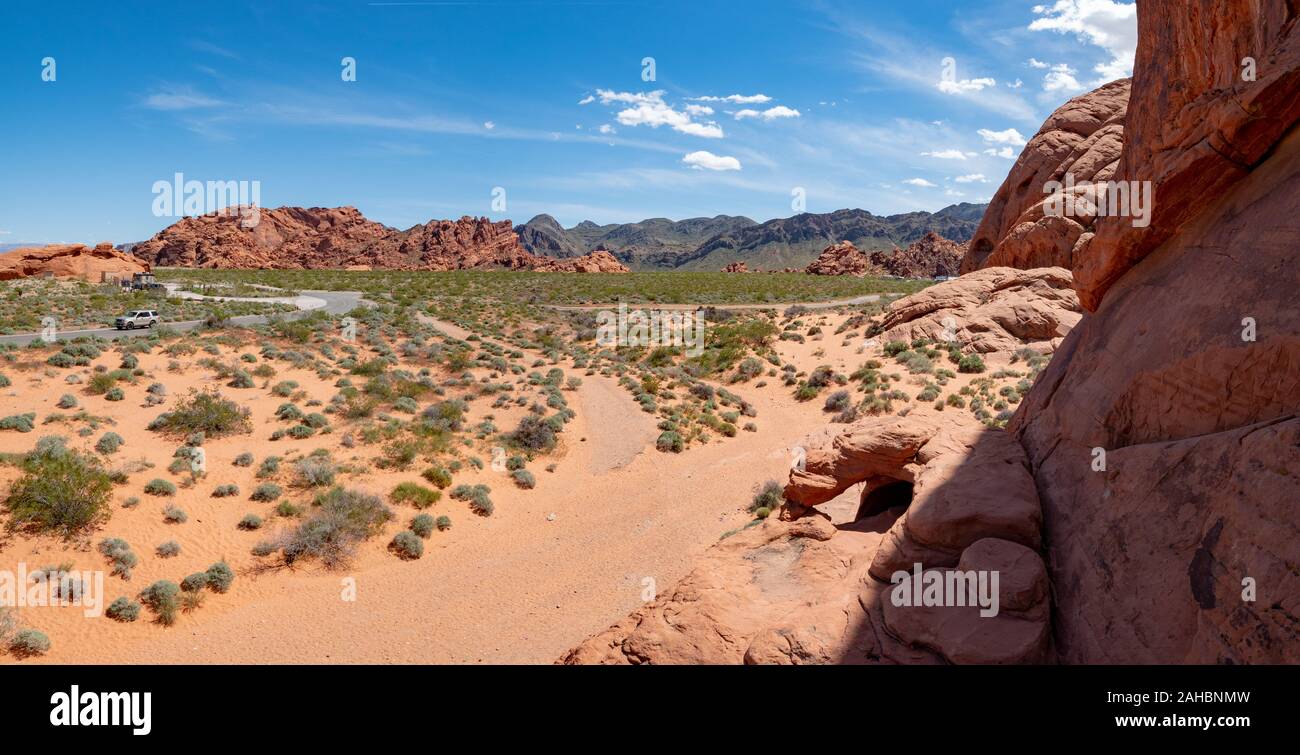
(407, 545)
(119, 554)
(207, 412)
(123, 609)
(406, 404)
(769, 496)
(477, 496)
(243, 460)
(971, 363)
(343, 519)
(175, 515)
(439, 477)
(267, 491)
(29, 642)
(414, 494)
(23, 423)
(443, 523)
(838, 401)
(288, 509)
(109, 443)
(284, 388)
(250, 522)
(289, 412)
(269, 466)
(423, 525)
(67, 401)
(315, 472)
(195, 582)
(220, 577)
(670, 440)
(60, 491)
(534, 434)
(168, 549)
(163, 598)
(524, 479)
(114, 394)
(894, 348)
(159, 487)
(225, 491)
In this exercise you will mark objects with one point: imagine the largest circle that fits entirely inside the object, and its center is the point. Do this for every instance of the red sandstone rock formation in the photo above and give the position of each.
(842, 259)
(301, 238)
(998, 309)
(736, 267)
(930, 256)
(599, 261)
(1083, 139)
(69, 261)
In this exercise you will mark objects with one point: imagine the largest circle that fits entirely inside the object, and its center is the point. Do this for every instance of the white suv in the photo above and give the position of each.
(142, 318)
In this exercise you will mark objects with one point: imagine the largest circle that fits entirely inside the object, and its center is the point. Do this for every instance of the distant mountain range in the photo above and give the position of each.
(712, 243)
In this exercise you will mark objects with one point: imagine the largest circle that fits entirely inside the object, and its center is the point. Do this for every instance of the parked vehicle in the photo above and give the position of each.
(140, 318)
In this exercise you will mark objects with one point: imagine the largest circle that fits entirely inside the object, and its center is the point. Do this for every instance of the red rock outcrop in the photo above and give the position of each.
(998, 309)
(342, 238)
(1083, 139)
(599, 261)
(842, 259)
(736, 267)
(930, 256)
(69, 261)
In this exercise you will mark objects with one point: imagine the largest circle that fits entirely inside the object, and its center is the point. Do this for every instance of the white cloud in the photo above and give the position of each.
(946, 154)
(1018, 83)
(180, 99)
(1107, 24)
(1005, 153)
(649, 109)
(736, 99)
(489, 125)
(952, 193)
(780, 111)
(919, 182)
(703, 160)
(971, 178)
(1009, 136)
(1061, 79)
(605, 128)
(699, 109)
(1035, 63)
(587, 100)
(964, 85)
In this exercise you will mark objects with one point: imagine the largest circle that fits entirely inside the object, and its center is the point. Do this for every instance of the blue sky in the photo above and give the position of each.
(852, 102)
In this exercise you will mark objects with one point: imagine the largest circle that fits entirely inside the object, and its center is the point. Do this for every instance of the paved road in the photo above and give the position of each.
(332, 302)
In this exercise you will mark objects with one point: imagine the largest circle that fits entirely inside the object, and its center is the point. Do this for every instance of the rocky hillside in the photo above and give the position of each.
(1141, 503)
(930, 256)
(713, 243)
(68, 261)
(341, 237)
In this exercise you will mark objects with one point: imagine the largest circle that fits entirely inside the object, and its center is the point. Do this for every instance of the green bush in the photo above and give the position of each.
(205, 412)
(220, 577)
(160, 487)
(67, 401)
(23, 423)
(524, 479)
(444, 523)
(29, 642)
(407, 545)
(168, 549)
(343, 519)
(114, 394)
(109, 443)
(477, 496)
(769, 496)
(250, 522)
(163, 597)
(243, 460)
(267, 491)
(971, 363)
(225, 491)
(533, 434)
(670, 440)
(417, 495)
(123, 609)
(423, 525)
(174, 515)
(315, 472)
(439, 477)
(195, 582)
(60, 491)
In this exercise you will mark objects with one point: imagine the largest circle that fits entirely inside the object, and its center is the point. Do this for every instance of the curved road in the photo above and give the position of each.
(332, 302)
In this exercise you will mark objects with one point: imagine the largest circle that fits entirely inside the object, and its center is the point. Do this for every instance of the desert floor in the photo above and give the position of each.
(613, 523)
